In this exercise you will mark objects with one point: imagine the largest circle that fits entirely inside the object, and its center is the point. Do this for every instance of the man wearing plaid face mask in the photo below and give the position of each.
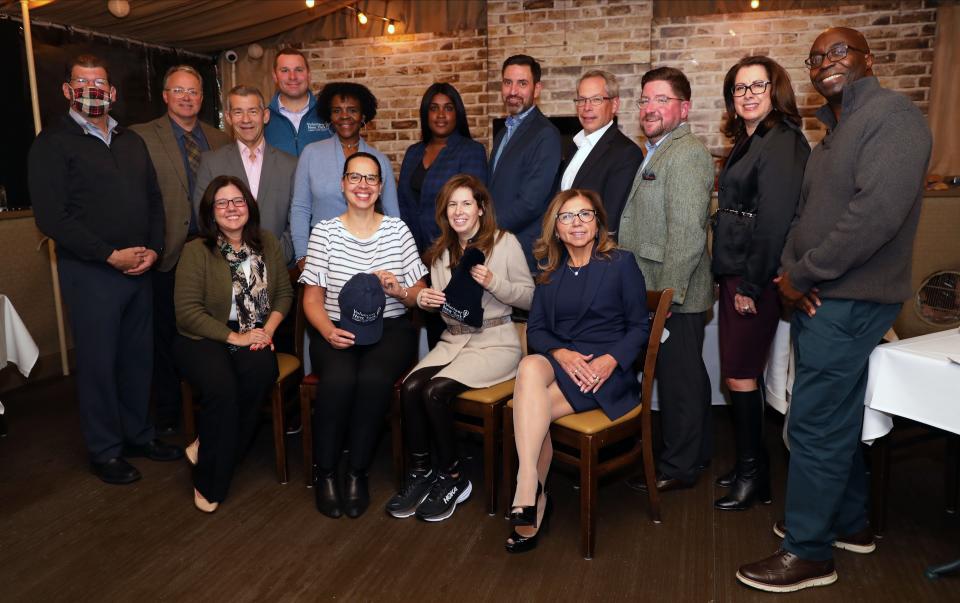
(95, 193)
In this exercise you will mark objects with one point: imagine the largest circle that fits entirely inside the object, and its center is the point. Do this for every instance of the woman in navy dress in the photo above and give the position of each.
(588, 323)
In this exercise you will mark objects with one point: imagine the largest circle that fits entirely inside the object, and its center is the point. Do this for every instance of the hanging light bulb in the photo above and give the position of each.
(754, 4)
(362, 18)
(311, 3)
(391, 28)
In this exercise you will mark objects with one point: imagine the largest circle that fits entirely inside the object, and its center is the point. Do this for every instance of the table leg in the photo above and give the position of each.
(952, 473)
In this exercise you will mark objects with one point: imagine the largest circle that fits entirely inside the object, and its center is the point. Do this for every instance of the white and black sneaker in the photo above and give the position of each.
(447, 492)
(404, 503)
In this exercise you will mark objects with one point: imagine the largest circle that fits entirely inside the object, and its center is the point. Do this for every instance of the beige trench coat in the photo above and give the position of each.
(492, 355)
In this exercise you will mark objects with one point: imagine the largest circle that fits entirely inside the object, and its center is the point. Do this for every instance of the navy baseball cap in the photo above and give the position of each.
(361, 308)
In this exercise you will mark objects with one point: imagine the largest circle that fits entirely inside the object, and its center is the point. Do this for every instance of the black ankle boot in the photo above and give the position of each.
(326, 493)
(726, 480)
(752, 481)
(356, 497)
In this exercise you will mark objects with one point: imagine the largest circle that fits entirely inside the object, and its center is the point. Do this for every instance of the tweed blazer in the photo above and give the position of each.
(664, 221)
(172, 176)
(274, 194)
(490, 356)
(203, 290)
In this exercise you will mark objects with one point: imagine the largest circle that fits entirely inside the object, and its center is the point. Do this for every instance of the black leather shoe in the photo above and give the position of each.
(326, 493)
(166, 429)
(664, 483)
(155, 450)
(521, 544)
(3, 426)
(527, 516)
(726, 480)
(116, 471)
(356, 496)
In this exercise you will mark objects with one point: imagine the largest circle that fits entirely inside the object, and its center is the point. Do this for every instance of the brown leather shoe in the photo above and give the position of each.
(784, 572)
(862, 542)
(664, 483)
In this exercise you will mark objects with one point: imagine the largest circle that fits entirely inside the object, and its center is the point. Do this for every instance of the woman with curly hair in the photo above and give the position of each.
(348, 107)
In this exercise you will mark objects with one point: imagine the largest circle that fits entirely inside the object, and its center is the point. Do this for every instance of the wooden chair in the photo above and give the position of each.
(586, 434)
(291, 372)
(477, 411)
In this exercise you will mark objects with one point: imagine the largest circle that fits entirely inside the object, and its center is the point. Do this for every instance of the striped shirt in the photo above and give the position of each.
(334, 256)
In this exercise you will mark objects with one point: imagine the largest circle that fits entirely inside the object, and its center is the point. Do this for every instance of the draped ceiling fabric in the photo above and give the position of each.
(206, 26)
(944, 92)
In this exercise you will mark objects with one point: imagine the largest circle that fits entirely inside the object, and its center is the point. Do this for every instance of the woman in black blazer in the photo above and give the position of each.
(758, 192)
(589, 323)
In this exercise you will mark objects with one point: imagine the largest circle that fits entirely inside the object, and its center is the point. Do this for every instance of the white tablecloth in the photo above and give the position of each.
(18, 347)
(918, 378)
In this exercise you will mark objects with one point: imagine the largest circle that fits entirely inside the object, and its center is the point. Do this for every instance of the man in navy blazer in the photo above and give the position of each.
(605, 160)
(525, 155)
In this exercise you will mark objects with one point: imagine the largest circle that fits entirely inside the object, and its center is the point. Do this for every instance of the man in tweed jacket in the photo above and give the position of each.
(664, 223)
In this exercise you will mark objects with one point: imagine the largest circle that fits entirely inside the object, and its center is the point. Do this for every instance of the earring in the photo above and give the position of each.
(363, 124)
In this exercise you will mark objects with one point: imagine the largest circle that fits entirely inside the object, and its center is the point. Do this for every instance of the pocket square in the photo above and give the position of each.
(648, 176)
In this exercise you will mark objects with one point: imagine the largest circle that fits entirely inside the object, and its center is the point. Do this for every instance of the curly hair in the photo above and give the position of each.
(368, 102)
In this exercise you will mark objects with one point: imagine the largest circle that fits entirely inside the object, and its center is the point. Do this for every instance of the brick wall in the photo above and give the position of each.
(571, 36)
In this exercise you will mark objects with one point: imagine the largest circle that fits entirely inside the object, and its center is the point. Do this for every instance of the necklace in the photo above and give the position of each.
(576, 269)
(350, 146)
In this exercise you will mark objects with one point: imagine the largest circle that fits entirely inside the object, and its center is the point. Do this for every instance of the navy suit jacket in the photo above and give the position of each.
(613, 320)
(460, 156)
(522, 182)
(608, 170)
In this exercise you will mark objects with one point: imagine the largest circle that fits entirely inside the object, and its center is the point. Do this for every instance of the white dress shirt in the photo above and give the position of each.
(252, 164)
(585, 144)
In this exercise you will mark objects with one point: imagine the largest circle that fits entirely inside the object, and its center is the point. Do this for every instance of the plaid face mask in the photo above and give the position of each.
(91, 101)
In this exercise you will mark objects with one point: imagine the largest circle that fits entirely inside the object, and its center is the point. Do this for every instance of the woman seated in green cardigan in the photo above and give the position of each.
(232, 290)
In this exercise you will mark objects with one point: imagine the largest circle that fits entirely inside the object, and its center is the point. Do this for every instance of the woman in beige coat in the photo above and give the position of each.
(466, 357)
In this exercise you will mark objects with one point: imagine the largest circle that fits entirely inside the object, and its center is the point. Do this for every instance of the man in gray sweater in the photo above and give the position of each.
(846, 270)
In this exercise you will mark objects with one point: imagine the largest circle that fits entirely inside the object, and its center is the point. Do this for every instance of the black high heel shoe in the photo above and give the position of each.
(521, 544)
(527, 516)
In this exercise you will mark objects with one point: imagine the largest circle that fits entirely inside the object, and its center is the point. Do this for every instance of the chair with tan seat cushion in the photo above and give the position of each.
(582, 436)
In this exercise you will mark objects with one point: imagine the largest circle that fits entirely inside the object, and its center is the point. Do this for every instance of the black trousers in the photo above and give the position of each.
(232, 386)
(111, 315)
(354, 391)
(166, 378)
(427, 409)
(683, 389)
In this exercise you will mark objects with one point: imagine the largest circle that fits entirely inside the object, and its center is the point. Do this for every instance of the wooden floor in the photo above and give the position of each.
(65, 536)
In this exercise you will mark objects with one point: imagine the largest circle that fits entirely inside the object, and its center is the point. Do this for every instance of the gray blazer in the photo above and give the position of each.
(172, 176)
(274, 194)
(664, 221)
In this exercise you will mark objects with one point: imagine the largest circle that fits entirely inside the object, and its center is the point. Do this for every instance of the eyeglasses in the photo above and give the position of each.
(660, 101)
(355, 178)
(836, 53)
(181, 91)
(99, 82)
(593, 101)
(251, 113)
(754, 88)
(236, 202)
(586, 216)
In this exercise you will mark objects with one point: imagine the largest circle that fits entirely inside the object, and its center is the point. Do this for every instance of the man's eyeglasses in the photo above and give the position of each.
(99, 82)
(585, 215)
(355, 178)
(181, 91)
(658, 101)
(251, 113)
(754, 88)
(223, 203)
(593, 101)
(836, 53)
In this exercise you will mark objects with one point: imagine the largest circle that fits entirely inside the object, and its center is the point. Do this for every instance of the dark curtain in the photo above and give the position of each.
(135, 70)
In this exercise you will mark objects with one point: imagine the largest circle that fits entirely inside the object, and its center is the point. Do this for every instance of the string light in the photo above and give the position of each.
(391, 28)
(362, 18)
(754, 4)
(311, 3)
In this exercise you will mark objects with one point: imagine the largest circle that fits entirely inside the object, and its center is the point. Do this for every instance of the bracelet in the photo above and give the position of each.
(405, 293)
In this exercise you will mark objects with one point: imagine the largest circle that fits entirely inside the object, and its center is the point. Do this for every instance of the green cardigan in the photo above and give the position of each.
(664, 222)
(203, 289)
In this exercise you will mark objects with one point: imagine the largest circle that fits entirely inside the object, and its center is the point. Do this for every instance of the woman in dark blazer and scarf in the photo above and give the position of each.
(232, 290)
(588, 322)
(758, 192)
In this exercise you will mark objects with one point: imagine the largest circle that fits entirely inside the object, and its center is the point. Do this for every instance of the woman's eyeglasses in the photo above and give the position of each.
(223, 203)
(355, 178)
(585, 215)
